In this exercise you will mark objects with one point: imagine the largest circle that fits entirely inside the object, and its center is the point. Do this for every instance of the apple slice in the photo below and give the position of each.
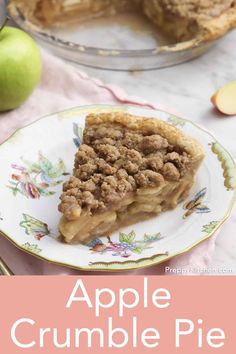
(225, 99)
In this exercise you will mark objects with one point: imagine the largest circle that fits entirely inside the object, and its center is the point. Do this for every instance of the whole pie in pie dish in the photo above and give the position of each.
(128, 169)
(181, 20)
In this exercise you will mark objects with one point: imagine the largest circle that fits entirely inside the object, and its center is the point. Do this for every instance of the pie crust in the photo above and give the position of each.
(128, 169)
(181, 20)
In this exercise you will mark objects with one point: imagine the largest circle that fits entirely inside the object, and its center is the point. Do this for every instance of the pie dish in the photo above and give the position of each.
(180, 20)
(127, 170)
(35, 164)
(158, 34)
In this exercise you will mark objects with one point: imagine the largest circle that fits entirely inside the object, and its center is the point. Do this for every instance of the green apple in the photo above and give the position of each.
(20, 67)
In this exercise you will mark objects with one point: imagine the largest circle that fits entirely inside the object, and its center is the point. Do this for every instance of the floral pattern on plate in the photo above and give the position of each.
(209, 228)
(78, 133)
(34, 227)
(35, 179)
(227, 165)
(31, 248)
(127, 244)
(195, 205)
(176, 121)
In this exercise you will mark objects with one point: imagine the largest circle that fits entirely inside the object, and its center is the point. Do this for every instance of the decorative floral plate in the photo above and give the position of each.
(38, 158)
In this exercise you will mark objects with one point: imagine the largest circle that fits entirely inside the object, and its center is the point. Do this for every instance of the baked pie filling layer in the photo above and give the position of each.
(179, 19)
(128, 169)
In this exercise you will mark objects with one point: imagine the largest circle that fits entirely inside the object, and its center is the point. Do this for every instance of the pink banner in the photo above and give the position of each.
(117, 314)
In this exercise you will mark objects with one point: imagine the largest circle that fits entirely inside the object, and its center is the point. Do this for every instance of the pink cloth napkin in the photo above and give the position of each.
(63, 87)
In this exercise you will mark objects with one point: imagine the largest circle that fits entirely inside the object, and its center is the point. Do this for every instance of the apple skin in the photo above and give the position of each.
(20, 67)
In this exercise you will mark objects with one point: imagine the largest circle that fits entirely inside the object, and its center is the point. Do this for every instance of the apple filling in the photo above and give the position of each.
(144, 205)
(127, 170)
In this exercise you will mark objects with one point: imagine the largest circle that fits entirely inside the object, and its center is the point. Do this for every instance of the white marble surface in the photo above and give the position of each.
(187, 88)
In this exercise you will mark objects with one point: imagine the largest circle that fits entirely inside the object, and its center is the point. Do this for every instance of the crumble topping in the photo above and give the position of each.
(196, 8)
(113, 162)
(183, 20)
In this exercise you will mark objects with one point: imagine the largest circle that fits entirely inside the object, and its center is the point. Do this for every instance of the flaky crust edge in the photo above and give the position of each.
(219, 26)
